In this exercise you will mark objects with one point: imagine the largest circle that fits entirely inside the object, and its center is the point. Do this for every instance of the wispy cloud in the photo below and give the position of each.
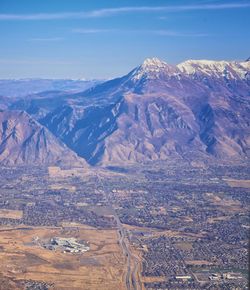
(173, 8)
(159, 32)
(177, 33)
(51, 39)
(121, 10)
(163, 17)
(93, 31)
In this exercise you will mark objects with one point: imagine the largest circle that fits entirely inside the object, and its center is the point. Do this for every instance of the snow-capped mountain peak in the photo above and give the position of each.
(153, 62)
(152, 68)
(217, 69)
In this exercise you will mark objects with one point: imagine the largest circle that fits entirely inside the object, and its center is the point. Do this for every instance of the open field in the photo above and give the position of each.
(100, 268)
(153, 279)
(11, 214)
(238, 183)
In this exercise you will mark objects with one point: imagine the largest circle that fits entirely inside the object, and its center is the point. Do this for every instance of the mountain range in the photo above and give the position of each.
(196, 110)
(17, 88)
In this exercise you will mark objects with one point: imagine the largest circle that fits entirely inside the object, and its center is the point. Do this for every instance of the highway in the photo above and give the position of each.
(131, 260)
(132, 277)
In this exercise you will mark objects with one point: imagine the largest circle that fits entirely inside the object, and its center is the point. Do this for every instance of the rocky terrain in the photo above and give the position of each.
(195, 110)
(24, 141)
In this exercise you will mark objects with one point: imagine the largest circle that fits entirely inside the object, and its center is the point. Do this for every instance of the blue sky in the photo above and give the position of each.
(104, 39)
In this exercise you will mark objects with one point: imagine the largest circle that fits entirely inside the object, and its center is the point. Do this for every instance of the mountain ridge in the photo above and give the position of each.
(162, 115)
(195, 110)
(25, 141)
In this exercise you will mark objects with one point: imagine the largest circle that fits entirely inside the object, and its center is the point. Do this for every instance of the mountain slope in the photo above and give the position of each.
(24, 141)
(84, 129)
(158, 111)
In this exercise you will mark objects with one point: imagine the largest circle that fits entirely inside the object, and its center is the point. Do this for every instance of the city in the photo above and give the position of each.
(170, 227)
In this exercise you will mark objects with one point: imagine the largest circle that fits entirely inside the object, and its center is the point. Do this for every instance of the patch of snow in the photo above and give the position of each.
(229, 70)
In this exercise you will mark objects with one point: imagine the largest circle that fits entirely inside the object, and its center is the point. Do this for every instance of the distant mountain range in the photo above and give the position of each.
(23, 87)
(197, 110)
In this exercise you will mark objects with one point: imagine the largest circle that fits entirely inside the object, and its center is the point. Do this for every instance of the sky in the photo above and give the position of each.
(105, 39)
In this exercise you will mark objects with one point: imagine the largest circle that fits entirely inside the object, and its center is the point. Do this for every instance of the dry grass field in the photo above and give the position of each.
(103, 267)
(153, 279)
(11, 214)
(238, 183)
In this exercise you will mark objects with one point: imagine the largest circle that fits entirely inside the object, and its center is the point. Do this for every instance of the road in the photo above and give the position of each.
(132, 277)
(125, 250)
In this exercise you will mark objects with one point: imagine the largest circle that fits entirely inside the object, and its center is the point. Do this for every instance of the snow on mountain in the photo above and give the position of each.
(218, 69)
(157, 112)
(246, 65)
(153, 68)
(198, 109)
